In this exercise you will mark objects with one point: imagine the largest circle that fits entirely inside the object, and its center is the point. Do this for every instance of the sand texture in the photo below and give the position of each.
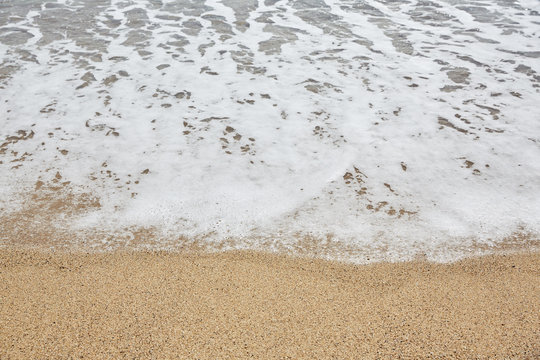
(152, 305)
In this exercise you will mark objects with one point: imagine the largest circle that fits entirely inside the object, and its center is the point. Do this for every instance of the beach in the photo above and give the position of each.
(237, 305)
(303, 179)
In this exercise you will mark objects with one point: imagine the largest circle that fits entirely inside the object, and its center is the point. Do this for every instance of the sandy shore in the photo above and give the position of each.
(249, 305)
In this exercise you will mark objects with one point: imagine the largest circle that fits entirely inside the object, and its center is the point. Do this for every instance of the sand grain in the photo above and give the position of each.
(242, 305)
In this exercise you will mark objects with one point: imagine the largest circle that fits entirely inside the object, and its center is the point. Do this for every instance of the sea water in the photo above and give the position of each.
(365, 129)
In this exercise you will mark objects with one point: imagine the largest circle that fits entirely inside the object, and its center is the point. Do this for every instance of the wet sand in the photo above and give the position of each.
(243, 304)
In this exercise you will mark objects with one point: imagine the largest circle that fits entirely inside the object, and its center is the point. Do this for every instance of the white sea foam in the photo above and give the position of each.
(392, 128)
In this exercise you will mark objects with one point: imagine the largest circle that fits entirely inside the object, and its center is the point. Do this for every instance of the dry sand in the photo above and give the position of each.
(141, 305)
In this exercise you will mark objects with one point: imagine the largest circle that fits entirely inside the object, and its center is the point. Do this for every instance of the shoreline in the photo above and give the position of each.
(246, 304)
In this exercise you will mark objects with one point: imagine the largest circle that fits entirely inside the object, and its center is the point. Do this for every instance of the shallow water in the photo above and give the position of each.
(357, 129)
